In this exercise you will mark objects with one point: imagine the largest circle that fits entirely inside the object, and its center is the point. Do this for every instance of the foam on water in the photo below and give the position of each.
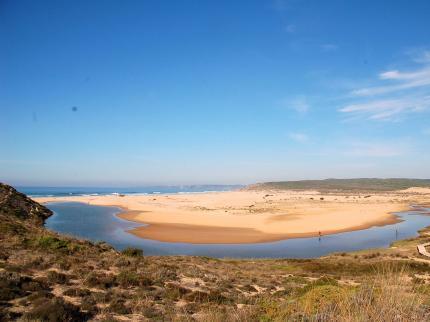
(97, 191)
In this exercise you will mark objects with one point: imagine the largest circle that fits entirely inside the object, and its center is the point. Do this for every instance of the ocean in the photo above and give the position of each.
(83, 191)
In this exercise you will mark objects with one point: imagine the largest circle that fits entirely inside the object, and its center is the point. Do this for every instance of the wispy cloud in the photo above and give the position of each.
(422, 56)
(299, 104)
(329, 47)
(387, 109)
(408, 80)
(290, 29)
(298, 137)
(393, 94)
(372, 149)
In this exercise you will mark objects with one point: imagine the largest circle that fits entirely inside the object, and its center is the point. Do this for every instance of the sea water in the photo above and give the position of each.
(85, 191)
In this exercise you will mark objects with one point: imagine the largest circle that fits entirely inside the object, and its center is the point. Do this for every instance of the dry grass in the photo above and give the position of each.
(388, 296)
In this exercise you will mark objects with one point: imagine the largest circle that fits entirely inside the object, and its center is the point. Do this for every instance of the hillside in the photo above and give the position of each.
(18, 205)
(48, 277)
(363, 184)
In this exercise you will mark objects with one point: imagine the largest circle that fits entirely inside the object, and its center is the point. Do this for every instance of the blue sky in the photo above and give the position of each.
(192, 92)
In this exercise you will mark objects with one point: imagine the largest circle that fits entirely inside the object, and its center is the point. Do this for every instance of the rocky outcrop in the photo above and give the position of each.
(16, 205)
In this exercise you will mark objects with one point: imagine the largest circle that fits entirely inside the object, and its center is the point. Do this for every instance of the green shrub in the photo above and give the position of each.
(53, 243)
(322, 281)
(54, 310)
(319, 298)
(132, 252)
(270, 310)
(127, 278)
(100, 280)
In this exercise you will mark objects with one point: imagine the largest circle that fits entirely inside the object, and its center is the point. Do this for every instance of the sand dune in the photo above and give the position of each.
(254, 216)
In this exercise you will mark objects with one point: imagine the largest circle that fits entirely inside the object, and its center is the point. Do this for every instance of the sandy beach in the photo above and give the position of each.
(254, 216)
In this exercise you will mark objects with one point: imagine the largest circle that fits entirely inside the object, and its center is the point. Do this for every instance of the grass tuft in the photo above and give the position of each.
(132, 252)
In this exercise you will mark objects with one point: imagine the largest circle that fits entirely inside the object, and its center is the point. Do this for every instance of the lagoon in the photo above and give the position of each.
(100, 223)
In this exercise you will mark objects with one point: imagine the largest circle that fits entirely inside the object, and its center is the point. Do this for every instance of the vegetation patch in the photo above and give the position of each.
(100, 280)
(132, 252)
(54, 310)
(52, 243)
(364, 184)
(57, 278)
(128, 278)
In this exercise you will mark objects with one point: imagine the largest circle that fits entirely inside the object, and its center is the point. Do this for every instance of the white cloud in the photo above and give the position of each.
(299, 104)
(386, 109)
(299, 137)
(406, 81)
(394, 94)
(395, 74)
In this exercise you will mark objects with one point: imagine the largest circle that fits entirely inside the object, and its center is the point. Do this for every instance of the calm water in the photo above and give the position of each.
(82, 191)
(98, 223)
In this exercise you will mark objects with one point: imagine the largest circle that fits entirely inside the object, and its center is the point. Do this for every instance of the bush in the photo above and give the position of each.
(52, 243)
(101, 281)
(57, 278)
(11, 285)
(55, 310)
(43, 294)
(322, 281)
(152, 313)
(63, 264)
(34, 286)
(88, 303)
(77, 292)
(118, 306)
(132, 252)
(322, 297)
(128, 278)
(176, 291)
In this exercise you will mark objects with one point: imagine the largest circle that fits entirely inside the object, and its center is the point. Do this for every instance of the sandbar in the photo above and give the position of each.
(253, 216)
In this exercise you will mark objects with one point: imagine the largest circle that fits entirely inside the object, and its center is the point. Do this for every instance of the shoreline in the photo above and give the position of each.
(246, 217)
(198, 234)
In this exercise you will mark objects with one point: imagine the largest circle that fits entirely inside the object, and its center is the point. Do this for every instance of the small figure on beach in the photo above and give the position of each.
(319, 236)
